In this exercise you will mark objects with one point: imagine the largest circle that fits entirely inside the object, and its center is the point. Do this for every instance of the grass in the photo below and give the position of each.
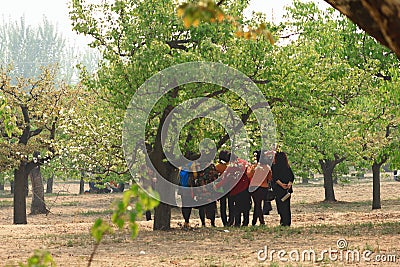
(96, 212)
(61, 193)
(5, 195)
(70, 204)
(216, 247)
(357, 229)
(248, 235)
(342, 206)
(6, 203)
(67, 240)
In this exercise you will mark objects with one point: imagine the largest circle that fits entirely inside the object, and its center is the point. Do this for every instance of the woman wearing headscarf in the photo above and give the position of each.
(282, 180)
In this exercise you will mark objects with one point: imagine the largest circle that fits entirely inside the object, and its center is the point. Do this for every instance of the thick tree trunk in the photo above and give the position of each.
(162, 213)
(81, 186)
(376, 186)
(162, 217)
(20, 183)
(38, 205)
(327, 167)
(304, 180)
(49, 186)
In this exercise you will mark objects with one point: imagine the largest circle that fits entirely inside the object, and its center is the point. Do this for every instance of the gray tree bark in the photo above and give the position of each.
(49, 185)
(328, 167)
(38, 205)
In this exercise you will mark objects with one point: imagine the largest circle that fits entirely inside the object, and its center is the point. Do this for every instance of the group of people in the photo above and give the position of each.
(98, 186)
(238, 184)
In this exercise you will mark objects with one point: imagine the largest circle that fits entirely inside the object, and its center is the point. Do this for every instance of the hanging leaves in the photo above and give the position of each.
(202, 11)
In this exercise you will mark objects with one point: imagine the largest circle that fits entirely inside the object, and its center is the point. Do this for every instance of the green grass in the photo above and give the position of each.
(248, 235)
(70, 204)
(6, 203)
(97, 212)
(5, 195)
(357, 229)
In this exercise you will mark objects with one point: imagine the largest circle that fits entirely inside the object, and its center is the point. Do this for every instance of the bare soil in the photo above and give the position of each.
(316, 225)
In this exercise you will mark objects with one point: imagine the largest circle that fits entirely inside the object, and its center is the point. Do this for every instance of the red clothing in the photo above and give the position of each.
(260, 175)
(243, 183)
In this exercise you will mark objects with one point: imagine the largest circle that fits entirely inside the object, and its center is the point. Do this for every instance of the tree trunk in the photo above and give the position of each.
(2, 186)
(81, 186)
(304, 180)
(327, 167)
(162, 213)
(38, 205)
(12, 187)
(335, 179)
(20, 183)
(49, 187)
(376, 185)
(162, 217)
(26, 185)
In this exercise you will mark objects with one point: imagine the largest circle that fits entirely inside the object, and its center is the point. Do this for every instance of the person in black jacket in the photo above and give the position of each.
(282, 180)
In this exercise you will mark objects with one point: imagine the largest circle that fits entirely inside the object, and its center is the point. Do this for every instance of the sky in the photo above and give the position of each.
(56, 11)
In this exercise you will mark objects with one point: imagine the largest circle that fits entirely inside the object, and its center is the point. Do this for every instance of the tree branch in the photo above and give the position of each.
(35, 132)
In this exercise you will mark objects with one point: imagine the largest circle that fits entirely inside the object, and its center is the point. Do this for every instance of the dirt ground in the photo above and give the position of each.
(316, 226)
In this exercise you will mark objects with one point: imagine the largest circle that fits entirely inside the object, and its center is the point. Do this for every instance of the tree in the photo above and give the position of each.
(316, 83)
(38, 205)
(36, 105)
(312, 84)
(136, 46)
(379, 132)
(90, 139)
(28, 48)
(329, 79)
(380, 19)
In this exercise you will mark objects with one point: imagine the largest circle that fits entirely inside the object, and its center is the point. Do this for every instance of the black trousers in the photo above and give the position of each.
(222, 210)
(186, 211)
(283, 208)
(148, 215)
(258, 196)
(267, 207)
(241, 205)
(209, 211)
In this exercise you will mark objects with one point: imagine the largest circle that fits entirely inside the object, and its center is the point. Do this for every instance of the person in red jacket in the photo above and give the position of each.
(239, 195)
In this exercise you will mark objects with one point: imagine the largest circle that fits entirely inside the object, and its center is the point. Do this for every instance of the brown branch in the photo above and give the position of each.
(35, 132)
(260, 81)
(245, 117)
(179, 44)
(220, 2)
